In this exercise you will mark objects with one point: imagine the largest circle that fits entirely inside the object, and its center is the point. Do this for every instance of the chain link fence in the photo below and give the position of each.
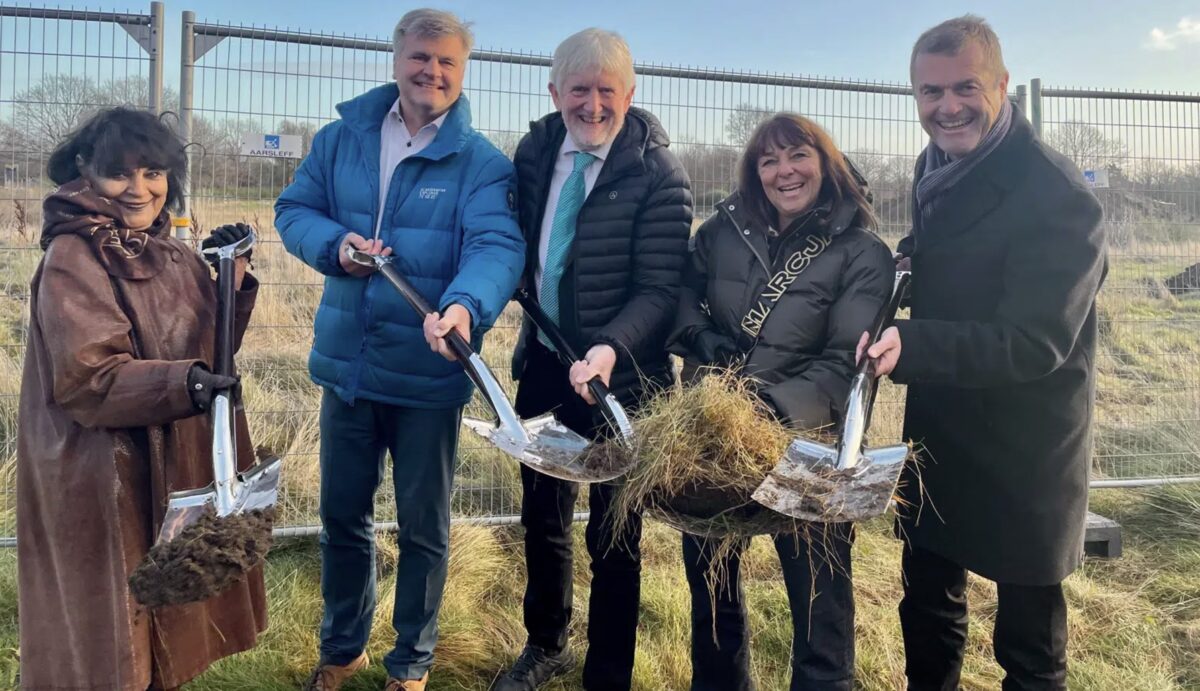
(240, 83)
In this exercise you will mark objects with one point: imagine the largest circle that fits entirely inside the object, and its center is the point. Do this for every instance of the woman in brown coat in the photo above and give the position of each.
(122, 325)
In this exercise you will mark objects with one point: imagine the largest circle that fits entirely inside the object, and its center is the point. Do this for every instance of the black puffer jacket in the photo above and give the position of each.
(621, 282)
(804, 354)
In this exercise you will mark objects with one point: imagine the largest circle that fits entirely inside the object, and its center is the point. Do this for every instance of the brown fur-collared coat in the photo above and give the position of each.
(107, 430)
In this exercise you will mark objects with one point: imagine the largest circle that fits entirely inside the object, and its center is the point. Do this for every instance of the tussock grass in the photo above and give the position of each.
(699, 452)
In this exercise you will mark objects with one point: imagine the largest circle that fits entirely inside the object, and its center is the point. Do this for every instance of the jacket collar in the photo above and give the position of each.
(365, 113)
(833, 217)
(641, 133)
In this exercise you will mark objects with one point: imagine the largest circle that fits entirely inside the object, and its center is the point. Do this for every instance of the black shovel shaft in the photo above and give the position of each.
(458, 345)
(885, 318)
(226, 298)
(566, 353)
(461, 349)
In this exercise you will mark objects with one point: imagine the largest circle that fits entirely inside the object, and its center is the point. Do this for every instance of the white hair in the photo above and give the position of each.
(427, 23)
(592, 49)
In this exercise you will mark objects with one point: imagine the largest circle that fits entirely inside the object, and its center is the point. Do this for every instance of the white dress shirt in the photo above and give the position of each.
(395, 145)
(563, 165)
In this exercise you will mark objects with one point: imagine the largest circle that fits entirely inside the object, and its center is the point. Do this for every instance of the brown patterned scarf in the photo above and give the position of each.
(76, 209)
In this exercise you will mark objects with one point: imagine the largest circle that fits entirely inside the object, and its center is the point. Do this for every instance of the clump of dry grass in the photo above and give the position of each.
(699, 452)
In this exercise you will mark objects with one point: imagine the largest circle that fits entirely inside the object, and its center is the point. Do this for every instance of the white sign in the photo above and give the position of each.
(272, 145)
(1096, 178)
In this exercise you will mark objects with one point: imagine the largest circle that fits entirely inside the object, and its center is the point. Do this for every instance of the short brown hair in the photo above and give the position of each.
(788, 129)
(949, 37)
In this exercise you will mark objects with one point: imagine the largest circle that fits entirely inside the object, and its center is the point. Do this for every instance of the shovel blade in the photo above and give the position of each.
(806, 486)
(548, 447)
(256, 488)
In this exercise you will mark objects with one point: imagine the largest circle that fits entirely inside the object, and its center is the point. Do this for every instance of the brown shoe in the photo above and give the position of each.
(331, 677)
(394, 684)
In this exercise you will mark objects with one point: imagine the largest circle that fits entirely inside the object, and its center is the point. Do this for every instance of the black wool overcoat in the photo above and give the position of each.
(999, 356)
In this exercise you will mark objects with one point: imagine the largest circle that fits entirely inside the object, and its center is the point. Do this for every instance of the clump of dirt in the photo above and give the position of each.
(1185, 281)
(205, 559)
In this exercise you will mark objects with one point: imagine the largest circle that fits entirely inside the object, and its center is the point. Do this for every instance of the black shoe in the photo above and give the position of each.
(533, 668)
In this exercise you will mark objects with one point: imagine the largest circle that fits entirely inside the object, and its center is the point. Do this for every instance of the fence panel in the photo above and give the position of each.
(242, 82)
(1142, 153)
(56, 68)
(252, 81)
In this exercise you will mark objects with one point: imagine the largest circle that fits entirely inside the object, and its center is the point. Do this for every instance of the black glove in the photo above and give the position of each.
(202, 385)
(714, 348)
(225, 235)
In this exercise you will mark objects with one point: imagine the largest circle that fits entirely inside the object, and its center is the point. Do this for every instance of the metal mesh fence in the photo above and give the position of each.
(1143, 153)
(249, 80)
(238, 81)
(56, 67)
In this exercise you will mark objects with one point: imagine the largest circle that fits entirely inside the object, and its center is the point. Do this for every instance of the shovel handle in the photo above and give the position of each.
(884, 319)
(458, 345)
(566, 353)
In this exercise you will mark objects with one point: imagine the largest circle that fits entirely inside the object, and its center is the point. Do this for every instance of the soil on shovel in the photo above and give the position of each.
(204, 559)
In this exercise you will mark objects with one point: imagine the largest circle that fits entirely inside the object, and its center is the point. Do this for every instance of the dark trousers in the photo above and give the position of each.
(547, 508)
(1029, 641)
(422, 443)
(821, 595)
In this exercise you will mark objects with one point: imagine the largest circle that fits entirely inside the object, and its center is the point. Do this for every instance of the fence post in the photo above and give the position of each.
(187, 64)
(1023, 99)
(1035, 105)
(156, 58)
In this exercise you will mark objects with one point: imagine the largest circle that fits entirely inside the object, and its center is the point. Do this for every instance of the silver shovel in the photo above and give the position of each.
(849, 482)
(542, 443)
(231, 492)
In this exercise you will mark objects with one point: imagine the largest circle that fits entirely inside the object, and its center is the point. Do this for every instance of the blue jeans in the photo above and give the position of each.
(423, 445)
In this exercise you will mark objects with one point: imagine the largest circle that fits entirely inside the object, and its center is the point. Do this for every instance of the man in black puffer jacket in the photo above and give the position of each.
(606, 211)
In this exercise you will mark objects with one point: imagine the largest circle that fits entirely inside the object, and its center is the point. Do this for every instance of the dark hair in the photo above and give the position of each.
(116, 140)
(838, 179)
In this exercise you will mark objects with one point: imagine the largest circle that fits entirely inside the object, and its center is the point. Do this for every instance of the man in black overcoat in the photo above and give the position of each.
(1007, 255)
(606, 210)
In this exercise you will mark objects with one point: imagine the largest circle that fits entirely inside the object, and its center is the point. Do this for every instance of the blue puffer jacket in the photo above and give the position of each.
(449, 218)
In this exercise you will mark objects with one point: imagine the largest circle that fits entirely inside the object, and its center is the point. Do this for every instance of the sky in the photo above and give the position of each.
(1148, 45)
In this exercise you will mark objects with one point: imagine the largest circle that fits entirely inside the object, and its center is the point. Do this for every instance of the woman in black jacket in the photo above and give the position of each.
(782, 280)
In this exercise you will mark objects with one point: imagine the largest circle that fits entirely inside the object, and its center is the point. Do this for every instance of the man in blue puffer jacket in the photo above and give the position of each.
(401, 173)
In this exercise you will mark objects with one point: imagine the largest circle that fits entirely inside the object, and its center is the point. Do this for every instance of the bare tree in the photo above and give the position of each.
(1086, 145)
(53, 107)
(505, 140)
(741, 123)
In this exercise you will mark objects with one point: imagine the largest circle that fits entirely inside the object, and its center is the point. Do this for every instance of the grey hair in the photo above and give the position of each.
(593, 49)
(428, 23)
(949, 37)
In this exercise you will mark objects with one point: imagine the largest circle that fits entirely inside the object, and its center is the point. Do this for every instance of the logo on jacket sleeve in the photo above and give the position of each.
(430, 192)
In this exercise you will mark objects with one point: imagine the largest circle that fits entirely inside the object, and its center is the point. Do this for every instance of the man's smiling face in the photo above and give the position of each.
(958, 100)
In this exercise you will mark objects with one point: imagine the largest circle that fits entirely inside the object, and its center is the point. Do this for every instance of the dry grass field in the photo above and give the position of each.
(1135, 622)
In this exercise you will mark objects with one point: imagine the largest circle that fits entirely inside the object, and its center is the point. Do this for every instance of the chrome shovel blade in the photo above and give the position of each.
(257, 488)
(551, 449)
(807, 485)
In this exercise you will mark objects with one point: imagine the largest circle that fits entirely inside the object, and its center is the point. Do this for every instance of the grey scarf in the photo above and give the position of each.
(941, 173)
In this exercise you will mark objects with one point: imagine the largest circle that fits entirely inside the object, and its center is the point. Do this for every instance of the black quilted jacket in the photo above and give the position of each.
(804, 352)
(621, 283)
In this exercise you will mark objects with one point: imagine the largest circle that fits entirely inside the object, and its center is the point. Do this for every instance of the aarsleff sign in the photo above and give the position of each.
(271, 145)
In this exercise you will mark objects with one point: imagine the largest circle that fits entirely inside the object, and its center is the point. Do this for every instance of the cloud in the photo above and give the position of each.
(1185, 32)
